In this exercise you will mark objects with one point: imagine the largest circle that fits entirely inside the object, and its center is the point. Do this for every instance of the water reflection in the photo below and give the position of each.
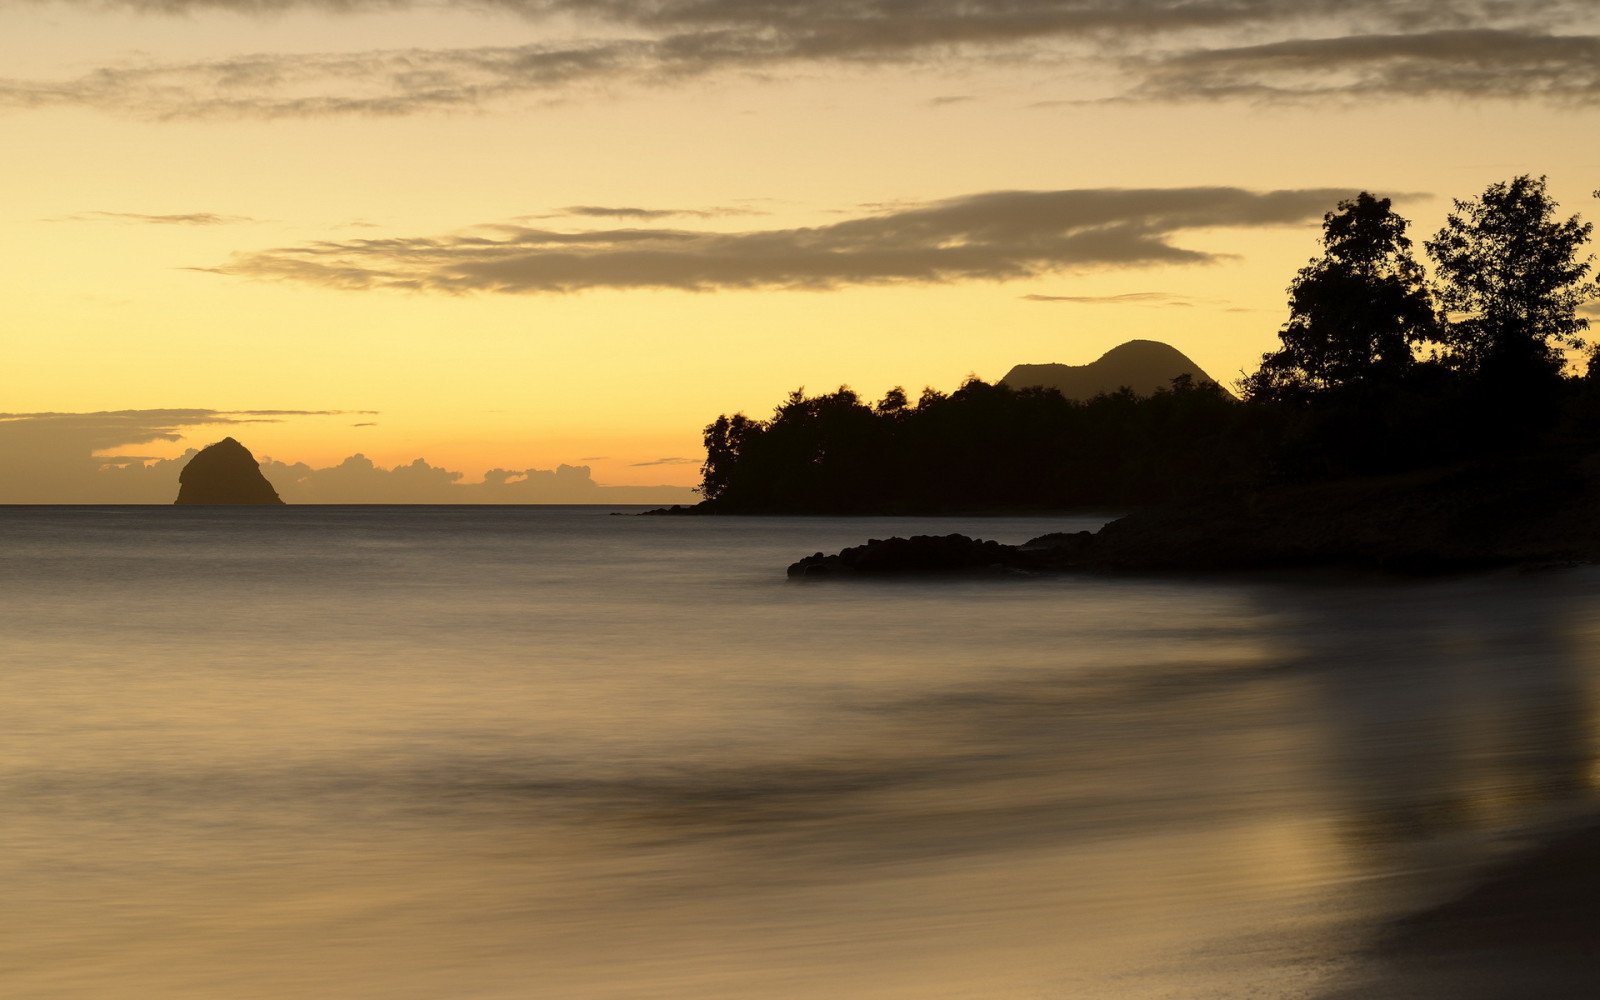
(1461, 720)
(1448, 707)
(641, 780)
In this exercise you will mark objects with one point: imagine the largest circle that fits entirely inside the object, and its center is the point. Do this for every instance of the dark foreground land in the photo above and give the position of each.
(1529, 512)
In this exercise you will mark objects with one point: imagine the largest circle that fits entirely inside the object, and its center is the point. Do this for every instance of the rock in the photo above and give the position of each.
(703, 507)
(922, 554)
(224, 473)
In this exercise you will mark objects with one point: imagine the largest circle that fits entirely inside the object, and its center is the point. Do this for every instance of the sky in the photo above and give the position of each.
(508, 238)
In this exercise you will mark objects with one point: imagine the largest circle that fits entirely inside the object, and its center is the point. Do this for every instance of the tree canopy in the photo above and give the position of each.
(1510, 277)
(1349, 391)
(1356, 313)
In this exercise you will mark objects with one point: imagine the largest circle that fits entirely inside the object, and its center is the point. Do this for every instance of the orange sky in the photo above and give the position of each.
(512, 234)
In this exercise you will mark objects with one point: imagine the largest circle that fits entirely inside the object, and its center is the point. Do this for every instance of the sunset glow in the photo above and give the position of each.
(519, 234)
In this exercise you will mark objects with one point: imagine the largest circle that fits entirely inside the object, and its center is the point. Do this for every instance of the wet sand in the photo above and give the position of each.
(1528, 930)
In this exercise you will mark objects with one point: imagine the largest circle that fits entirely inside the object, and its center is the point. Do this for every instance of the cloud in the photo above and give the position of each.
(52, 457)
(359, 480)
(118, 427)
(1477, 64)
(669, 461)
(995, 236)
(668, 41)
(1127, 298)
(849, 25)
(86, 458)
(647, 214)
(376, 83)
(186, 219)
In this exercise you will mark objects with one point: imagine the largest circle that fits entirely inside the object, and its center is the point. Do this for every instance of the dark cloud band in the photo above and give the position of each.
(1394, 46)
(1468, 63)
(994, 236)
(923, 19)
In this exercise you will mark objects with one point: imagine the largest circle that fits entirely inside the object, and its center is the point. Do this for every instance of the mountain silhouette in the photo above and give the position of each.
(1142, 365)
(224, 473)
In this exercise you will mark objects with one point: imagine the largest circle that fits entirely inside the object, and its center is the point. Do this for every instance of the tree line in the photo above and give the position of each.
(1379, 370)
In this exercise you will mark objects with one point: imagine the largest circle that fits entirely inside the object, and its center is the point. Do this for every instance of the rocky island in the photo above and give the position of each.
(224, 473)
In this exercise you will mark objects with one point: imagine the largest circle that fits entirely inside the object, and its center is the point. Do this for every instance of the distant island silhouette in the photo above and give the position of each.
(224, 473)
(1143, 366)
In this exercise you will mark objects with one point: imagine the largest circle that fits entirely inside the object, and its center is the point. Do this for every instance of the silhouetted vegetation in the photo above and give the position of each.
(1356, 314)
(1380, 372)
(983, 446)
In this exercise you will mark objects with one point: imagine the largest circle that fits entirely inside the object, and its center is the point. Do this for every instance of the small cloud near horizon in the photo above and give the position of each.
(358, 479)
(667, 461)
(55, 457)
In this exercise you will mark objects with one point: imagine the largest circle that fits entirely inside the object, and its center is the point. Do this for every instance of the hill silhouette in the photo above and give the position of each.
(1141, 365)
(224, 473)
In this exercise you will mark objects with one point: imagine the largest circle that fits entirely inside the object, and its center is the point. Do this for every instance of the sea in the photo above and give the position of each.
(566, 753)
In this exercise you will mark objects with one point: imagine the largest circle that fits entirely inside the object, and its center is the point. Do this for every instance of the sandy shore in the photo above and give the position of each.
(1529, 931)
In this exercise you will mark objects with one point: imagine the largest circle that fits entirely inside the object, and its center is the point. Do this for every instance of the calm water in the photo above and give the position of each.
(462, 754)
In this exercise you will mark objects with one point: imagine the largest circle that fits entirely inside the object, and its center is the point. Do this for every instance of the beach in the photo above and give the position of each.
(1529, 929)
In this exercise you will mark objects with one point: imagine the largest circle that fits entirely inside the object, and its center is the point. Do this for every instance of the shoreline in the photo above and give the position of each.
(700, 510)
(1528, 929)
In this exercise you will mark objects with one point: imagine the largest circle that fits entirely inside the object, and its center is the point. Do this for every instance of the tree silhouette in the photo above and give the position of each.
(1511, 278)
(725, 439)
(1356, 313)
(1345, 395)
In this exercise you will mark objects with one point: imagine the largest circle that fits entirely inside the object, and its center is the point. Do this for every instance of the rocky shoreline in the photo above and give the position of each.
(945, 554)
(1530, 513)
